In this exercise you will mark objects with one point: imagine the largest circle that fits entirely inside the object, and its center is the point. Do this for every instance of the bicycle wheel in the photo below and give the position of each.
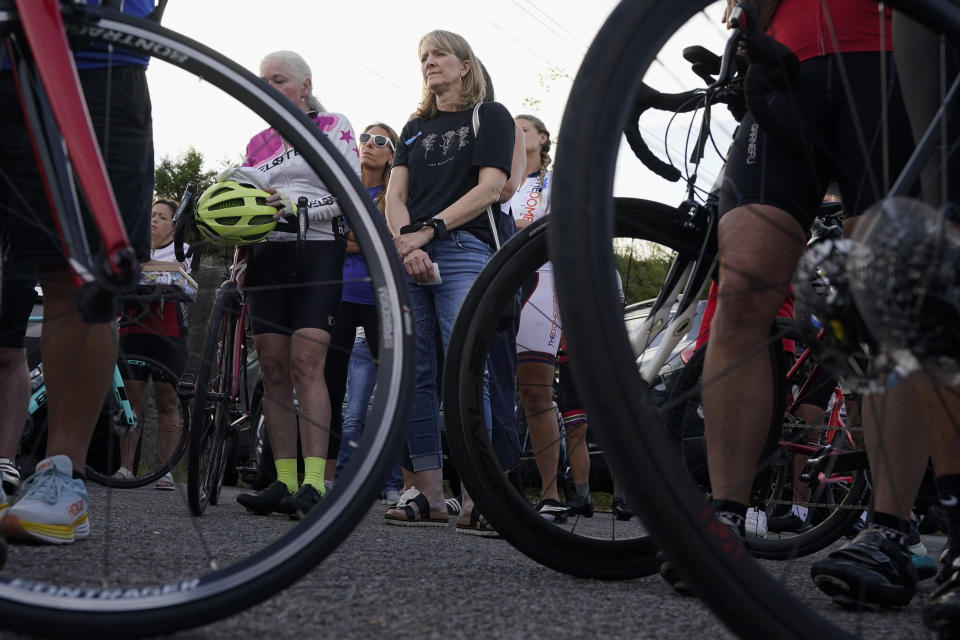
(155, 444)
(101, 592)
(598, 547)
(748, 599)
(838, 503)
(214, 405)
(148, 448)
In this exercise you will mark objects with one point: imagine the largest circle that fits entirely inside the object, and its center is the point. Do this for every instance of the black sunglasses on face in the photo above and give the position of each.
(380, 141)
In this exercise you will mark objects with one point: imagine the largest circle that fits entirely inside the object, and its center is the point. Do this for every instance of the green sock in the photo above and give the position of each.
(287, 472)
(313, 473)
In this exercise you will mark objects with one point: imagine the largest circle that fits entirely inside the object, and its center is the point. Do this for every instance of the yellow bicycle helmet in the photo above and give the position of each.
(232, 213)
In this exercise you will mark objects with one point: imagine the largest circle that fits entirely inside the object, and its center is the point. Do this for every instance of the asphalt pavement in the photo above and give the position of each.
(387, 582)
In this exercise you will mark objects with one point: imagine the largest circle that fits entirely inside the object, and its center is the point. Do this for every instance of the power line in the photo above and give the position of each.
(379, 75)
(582, 49)
(509, 35)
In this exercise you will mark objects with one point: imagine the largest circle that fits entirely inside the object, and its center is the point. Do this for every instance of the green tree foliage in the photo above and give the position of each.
(642, 268)
(172, 175)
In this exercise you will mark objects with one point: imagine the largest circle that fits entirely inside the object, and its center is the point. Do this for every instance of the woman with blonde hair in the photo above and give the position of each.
(445, 176)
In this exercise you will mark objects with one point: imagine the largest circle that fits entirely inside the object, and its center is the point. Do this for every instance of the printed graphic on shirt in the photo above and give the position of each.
(452, 140)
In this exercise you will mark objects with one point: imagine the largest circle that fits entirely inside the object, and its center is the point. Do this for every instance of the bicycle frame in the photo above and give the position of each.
(56, 104)
(238, 276)
(39, 396)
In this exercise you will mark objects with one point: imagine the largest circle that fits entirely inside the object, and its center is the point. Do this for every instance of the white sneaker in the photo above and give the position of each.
(756, 524)
(390, 496)
(123, 474)
(4, 503)
(53, 509)
(10, 474)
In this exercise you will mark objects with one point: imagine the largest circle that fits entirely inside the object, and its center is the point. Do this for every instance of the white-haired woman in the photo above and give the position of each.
(292, 305)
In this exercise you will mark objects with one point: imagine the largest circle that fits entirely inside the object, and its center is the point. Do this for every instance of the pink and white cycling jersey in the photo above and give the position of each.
(290, 175)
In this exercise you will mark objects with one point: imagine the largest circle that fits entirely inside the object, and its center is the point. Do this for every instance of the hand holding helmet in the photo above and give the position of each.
(232, 213)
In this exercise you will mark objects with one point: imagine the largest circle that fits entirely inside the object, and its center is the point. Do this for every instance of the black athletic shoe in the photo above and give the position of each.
(941, 613)
(265, 501)
(871, 570)
(670, 575)
(297, 505)
(621, 509)
(580, 506)
(551, 510)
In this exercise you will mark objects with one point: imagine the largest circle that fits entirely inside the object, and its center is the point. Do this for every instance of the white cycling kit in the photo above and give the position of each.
(539, 335)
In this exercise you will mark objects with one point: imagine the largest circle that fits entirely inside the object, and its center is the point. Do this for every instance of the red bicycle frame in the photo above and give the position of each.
(46, 37)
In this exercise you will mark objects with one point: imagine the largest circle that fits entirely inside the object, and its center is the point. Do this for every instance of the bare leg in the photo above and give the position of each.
(78, 359)
(578, 454)
(274, 351)
(128, 442)
(169, 419)
(409, 479)
(14, 395)
(759, 247)
(896, 444)
(535, 382)
(430, 484)
(308, 353)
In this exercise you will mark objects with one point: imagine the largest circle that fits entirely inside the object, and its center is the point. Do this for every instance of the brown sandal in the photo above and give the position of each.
(475, 524)
(411, 514)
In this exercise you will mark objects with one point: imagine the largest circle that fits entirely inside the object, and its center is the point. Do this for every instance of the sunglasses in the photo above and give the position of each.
(380, 141)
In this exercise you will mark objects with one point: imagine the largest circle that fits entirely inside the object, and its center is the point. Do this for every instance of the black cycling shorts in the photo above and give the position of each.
(170, 352)
(284, 296)
(24, 209)
(16, 304)
(763, 170)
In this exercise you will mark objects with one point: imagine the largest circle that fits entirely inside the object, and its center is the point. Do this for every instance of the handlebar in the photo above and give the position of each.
(181, 217)
(771, 65)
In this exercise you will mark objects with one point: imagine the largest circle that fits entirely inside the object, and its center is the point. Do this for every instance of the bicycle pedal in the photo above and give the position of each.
(187, 387)
(249, 471)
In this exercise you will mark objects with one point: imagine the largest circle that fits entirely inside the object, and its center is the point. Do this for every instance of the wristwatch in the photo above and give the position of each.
(439, 228)
(437, 224)
(413, 227)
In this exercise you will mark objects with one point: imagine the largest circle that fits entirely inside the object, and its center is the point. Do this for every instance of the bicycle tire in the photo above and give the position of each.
(159, 467)
(213, 584)
(724, 575)
(743, 596)
(854, 499)
(509, 511)
(209, 419)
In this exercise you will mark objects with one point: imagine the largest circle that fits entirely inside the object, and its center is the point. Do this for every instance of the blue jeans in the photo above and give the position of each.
(460, 258)
(361, 378)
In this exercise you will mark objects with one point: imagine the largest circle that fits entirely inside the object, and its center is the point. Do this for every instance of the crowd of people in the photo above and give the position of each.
(460, 166)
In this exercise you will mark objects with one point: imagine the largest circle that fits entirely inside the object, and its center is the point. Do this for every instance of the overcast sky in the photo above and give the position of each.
(364, 58)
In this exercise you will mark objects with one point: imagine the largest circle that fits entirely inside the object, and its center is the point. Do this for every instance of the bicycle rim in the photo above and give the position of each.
(158, 447)
(596, 547)
(751, 601)
(210, 579)
(212, 403)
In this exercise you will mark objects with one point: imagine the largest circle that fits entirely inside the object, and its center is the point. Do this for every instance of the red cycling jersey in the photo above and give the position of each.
(812, 28)
(785, 311)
